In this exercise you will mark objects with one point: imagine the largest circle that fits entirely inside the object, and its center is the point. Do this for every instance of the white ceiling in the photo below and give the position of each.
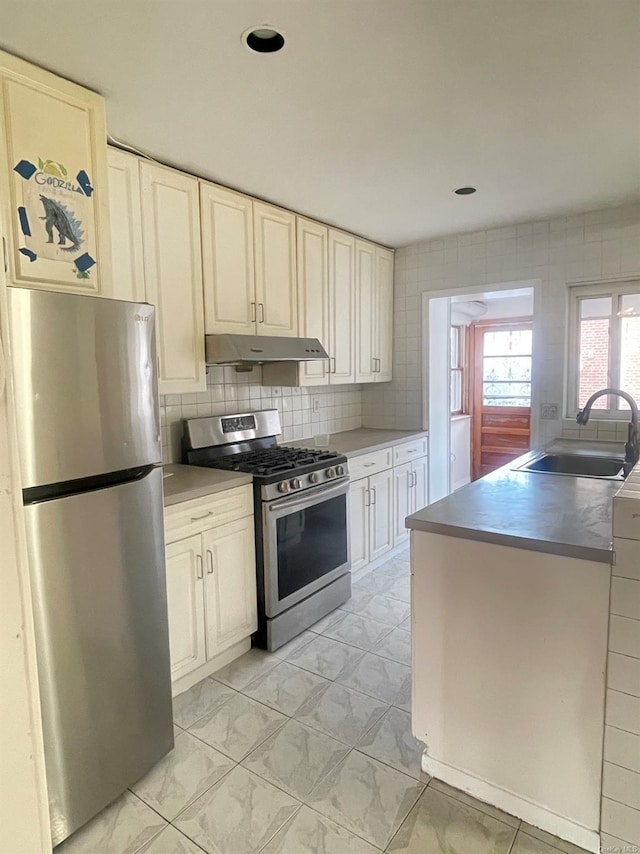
(375, 110)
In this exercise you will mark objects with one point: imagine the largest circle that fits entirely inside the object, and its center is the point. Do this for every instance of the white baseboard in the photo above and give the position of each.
(219, 661)
(513, 804)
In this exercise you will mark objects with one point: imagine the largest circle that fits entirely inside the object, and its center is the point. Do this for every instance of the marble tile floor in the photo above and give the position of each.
(308, 751)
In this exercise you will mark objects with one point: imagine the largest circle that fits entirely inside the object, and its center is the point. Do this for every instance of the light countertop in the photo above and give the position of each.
(557, 514)
(186, 482)
(351, 443)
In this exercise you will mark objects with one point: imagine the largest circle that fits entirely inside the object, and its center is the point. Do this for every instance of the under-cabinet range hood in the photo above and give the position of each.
(256, 349)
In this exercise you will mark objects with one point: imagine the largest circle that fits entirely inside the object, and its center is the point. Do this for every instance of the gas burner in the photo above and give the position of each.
(277, 460)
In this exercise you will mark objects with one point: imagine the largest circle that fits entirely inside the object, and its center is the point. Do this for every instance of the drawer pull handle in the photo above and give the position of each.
(204, 516)
(412, 451)
(368, 465)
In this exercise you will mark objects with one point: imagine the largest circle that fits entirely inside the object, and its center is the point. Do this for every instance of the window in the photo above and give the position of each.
(604, 346)
(457, 360)
(506, 367)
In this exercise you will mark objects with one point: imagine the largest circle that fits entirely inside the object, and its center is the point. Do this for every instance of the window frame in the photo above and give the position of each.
(613, 290)
(461, 367)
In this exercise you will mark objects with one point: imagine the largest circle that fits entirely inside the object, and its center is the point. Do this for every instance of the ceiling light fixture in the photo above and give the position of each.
(263, 39)
(465, 191)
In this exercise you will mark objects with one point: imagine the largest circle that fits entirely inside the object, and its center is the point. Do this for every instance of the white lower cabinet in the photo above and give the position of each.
(371, 518)
(410, 494)
(185, 605)
(211, 590)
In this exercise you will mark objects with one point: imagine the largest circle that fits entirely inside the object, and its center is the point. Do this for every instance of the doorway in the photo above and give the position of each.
(501, 390)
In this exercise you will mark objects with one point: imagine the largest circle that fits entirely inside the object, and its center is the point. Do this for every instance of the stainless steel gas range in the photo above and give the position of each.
(301, 517)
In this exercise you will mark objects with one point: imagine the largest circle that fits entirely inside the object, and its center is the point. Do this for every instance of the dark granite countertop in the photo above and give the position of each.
(562, 515)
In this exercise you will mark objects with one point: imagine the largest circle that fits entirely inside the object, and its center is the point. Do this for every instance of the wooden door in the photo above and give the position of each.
(53, 181)
(341, 307)
(381, 517)
(501, 394)
(365, 312)
(127, 263)
(383, 348)
(185, 605)
(402, 479)
(227, 260)
(359, 523)
(230, 584)
(274, 232)
(173, 275)
(313, 295)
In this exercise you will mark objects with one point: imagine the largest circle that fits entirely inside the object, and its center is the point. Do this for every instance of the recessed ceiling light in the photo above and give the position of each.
(465, 191)
(263, 39)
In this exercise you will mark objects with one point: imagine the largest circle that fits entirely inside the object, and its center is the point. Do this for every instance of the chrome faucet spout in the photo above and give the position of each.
(632, 446)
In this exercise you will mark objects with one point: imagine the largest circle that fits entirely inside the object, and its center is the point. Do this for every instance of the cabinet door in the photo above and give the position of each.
(173, 275)
(126, 227)
(227, 258)
(341, 307)
(313, 295)
(420, 497)
(230, 584)
(185, 605)
(275, 259)
(365, 312)
(403, 477)
(53, 181)
(381, 513)
(359, 523)
(384, 315)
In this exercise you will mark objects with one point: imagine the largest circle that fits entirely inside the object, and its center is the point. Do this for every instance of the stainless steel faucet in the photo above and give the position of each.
(631, 448)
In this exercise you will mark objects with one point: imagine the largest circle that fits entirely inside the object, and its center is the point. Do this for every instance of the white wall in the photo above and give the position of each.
(303, 411)
(590, 246)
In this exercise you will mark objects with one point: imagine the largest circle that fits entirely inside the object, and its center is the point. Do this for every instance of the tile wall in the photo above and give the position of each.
(621, 778)
(589, 247)
(303, 411)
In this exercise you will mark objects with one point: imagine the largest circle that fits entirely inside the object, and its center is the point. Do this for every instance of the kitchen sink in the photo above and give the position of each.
(577, 465)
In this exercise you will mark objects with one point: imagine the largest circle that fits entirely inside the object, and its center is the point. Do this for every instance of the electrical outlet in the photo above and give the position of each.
(549, 412)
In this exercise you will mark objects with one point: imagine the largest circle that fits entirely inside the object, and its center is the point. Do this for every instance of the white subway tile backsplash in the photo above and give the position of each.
(622, 748)
(624, 636)
(621, 821)
(624, 674)
(623, 711)
(621, 785)
(625, 597)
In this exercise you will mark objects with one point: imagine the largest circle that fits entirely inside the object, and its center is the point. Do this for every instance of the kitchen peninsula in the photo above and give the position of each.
(511, 585)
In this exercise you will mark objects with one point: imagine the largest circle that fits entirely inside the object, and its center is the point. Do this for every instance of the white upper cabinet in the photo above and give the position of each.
(341, 307)
(127, 265)
(274, 233)
(53, 181)
(365, 315)
(227, 258)
(383, 335)
(313, 294)
(173, 275)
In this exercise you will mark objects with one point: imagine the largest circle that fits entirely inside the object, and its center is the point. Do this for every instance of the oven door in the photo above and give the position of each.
(306, 544)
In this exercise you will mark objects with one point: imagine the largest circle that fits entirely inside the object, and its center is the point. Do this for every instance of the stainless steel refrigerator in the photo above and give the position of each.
(89, 442)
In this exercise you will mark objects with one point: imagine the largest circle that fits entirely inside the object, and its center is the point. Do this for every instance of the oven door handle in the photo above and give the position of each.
(312, 496)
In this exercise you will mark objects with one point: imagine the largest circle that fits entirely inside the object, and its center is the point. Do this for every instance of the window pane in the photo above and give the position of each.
(507, 368)
(629, 348)
(506, 394)
(508, 342)
(456, 391)
(593, 374)
(454, 339)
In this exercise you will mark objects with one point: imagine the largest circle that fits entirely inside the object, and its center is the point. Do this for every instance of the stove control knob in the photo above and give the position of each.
(339, 470)
(295, 483)
(283, 486)
(330, 473)
(314, 477)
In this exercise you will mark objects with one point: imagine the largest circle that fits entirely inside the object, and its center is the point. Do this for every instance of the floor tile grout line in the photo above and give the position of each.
(287, 823)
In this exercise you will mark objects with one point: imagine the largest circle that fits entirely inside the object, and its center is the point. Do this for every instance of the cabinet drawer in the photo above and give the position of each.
(408, 451)
(193, 517)
(367, 464)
